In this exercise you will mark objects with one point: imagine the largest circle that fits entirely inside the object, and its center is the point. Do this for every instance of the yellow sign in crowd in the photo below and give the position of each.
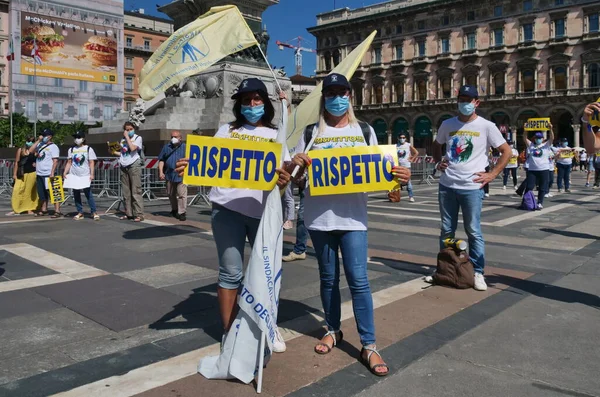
(234, 163)
(55, 186)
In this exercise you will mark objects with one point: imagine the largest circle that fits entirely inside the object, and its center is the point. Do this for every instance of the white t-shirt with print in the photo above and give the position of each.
(564, 156)
(513, 162)
(248, 202)
(127, 156)
(342, 211)
(43, 165)
(80, 157)
(403, 154)
(538, 156)
(467, 146)
(552, 158)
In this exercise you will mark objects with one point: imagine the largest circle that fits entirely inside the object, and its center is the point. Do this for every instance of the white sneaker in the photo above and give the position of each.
(292, 256)
(288, 225)
(546, 195)
(549, 195)
(480, 284)
(504, 187)
(540, 207)
(516, 187)
(279, 344)
(486, 195)
(411, 199)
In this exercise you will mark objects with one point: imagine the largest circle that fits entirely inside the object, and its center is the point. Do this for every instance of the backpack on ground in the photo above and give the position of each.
(529, 203)
(454, 269)
(364, 126)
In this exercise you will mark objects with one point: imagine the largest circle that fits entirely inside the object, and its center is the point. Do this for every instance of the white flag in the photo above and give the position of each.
(35, 53)
(259, 297)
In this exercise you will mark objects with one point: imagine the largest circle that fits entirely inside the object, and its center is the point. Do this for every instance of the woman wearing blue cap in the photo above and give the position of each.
(564, 163)
(339, 223)
(539, 153)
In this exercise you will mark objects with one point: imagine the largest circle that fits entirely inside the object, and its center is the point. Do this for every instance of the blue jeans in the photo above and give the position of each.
(301, 232)
(470, 202)
(353, 245)
(88, 196)
(230, 229)
(409, 189)
(564, 174)
(40, 185)
(512, 172)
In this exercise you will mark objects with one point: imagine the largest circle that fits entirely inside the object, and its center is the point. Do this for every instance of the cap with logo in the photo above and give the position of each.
(468, 90)
(564, 139)
(79, 134)
(335, 79)
(250, 85)
(538, 135)
(47, 132)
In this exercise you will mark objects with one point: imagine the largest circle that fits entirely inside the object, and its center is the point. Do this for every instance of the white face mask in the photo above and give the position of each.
(78, 141)
(174, 141)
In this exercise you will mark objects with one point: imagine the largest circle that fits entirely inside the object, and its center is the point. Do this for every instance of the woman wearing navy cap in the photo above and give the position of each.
(339, 223)
(538, 158)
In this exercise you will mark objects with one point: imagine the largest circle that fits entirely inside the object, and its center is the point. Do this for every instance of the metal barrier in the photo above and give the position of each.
(422, 169)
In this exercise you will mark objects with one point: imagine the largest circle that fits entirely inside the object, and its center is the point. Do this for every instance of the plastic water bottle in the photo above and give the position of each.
(460, 245)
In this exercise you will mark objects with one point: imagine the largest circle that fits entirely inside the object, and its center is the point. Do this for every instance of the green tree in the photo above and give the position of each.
(22, 128)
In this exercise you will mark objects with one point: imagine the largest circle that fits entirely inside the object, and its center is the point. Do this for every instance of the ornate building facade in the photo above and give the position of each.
(528, 58)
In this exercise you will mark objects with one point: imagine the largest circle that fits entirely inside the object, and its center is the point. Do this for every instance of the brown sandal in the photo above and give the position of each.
(335, 342)
(367, 361)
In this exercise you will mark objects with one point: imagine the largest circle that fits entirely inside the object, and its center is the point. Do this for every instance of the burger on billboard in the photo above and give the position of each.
(68, 50)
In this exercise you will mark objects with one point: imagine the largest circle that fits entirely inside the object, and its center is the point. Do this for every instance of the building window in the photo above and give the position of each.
(470, 15)
(471, 80)
(129, 63)
(499, 83)
(399, 52)
(128, 83)
(528, 83)
(559, 28)
(445, 45)
(421, 49)
(82, 86)
(30, 79)
(558, 2)
(594, 75)
(421, 25)
(446, 86)
(147, 45)
(83, 111)
(498, 11)
(128, 106)
(58, 82)
(445, 20)
(527, 32)
(422, 90)
(58, 110)
(108, 112)
(399, 89)
(327, 61)
(471, 43)
(498, 37)
(129, 42)
(378, 94)
(560, 78)
(527, 5)
(30, 111)
(398, 29)
(108, 87)
(336, 57)
(377, 55)
(593, 23)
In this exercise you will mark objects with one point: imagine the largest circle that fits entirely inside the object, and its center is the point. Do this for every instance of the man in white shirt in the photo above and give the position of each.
(467, 138)
(406, 154)
(46, 153)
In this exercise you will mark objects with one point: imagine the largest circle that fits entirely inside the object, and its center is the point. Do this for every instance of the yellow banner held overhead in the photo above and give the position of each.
(352, 170)
(55, 186)
(220, 32)
(595, 119)
(231, 163)
(537, 124)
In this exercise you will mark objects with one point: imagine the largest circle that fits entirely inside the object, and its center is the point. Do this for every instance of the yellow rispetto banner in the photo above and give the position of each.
(55, 186)
(231, 163)
(308, 111)
(537, 124)
(595, 119)
(220, 32)
(352, 170)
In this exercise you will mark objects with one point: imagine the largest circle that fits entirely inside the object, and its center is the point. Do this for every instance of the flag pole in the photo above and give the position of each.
(10, 107)
(261, 362)
(34, 90)
(270, 68)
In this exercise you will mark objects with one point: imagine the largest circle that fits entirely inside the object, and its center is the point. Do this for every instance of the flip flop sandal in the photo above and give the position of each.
(335, 342)
(125, 217)
(41, 213)
(78, 217)
(57, 215)
(367, 361)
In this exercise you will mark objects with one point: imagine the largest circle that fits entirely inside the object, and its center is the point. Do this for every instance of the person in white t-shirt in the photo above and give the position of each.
(80, 164)
(406, 154)
(468, 138)
(564, 163)
(131, 173)
(539, 153)
(551, 167)
(46, 153)
(511, 167)
(236, 213)
(583, 161)
(339, 223)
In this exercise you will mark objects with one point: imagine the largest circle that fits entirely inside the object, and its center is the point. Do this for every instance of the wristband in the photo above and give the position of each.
(583, 121)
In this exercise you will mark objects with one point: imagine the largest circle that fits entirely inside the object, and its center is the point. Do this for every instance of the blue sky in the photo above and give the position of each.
(284, 21)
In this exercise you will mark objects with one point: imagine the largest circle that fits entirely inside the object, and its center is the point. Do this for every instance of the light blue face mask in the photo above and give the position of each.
(46, 139)
(402, 140)
(338, 105)
(29, 144)
(565, 144)
(538, 141)
(466, 108)
(253, 113)
(131, 133)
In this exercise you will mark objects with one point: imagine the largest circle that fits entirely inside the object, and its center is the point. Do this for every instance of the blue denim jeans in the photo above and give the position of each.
(88, 196)
(353, 245)
(230, 229)
(564, 174)
(409, 189)
(470, 202)
(301, 232)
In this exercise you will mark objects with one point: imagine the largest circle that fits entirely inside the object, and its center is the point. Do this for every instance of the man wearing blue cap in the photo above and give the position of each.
(46, 153)
(467, 138)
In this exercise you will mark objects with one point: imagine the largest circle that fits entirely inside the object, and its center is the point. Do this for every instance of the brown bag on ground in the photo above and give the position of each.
(394, 196)
(454, 269)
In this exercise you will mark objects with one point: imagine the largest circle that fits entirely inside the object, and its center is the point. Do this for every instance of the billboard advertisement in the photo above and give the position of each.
(68, 50)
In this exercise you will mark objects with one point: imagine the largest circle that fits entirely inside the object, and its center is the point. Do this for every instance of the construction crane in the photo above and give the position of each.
(298, 49)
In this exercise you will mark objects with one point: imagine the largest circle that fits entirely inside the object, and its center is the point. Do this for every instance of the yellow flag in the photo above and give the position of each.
(220, 32)
(308, 111)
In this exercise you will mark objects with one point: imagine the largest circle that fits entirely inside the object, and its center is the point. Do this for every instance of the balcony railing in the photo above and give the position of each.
(44, 89)
(140, 48)
(109, 94)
